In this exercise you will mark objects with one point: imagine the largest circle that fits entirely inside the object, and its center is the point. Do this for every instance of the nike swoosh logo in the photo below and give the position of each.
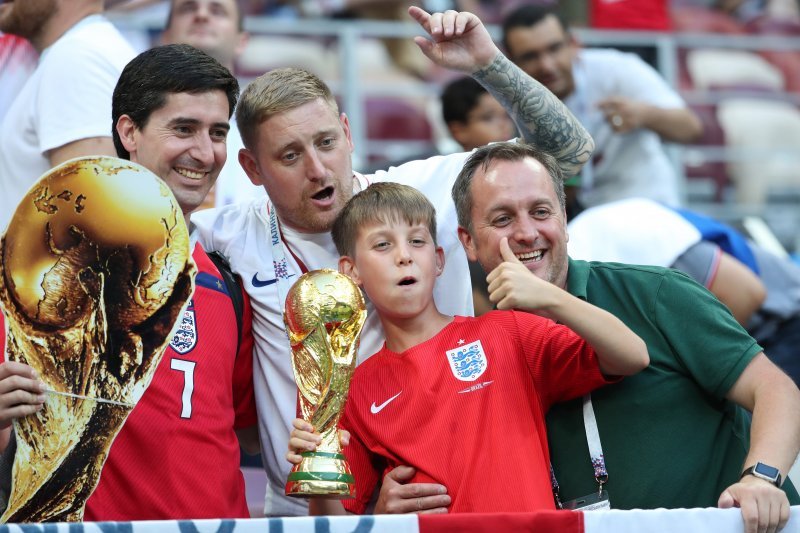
(259, 283)
(375, 409)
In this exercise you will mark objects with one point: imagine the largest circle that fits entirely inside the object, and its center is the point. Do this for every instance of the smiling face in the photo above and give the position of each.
(210, 25)
(516, 199)
(183, 143)
(302, 158)
(545, 52)
(397, 264)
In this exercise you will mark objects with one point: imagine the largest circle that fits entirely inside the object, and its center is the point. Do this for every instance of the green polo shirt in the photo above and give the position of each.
(669, 437)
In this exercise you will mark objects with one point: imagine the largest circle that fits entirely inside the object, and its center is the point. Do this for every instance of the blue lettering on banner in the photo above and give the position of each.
(35, 528)
(187, 526)
(115, 527)
(322, 524)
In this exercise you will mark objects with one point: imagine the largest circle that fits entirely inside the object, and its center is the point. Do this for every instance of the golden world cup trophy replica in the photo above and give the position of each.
(324, 315)
(95, 270)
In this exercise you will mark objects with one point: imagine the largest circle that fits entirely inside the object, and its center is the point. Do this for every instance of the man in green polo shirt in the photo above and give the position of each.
(675, 435)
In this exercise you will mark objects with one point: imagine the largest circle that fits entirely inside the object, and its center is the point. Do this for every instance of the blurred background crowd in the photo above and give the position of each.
(735, 63)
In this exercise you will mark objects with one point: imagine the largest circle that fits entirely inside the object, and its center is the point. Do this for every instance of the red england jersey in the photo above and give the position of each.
(466, 409)
(177, 455)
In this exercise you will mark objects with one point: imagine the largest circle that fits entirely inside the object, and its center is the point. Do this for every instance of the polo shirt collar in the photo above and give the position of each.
(577, 278)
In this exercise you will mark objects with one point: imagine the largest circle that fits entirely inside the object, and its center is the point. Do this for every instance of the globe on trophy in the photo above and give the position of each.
(324, 314)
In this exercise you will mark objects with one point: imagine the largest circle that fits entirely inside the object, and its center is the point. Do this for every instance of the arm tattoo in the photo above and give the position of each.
(542, 119)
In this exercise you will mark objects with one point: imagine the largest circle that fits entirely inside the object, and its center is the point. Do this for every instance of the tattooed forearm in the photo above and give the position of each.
(542, 119)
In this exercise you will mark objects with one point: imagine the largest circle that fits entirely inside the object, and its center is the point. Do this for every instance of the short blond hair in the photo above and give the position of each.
(384, 202)
(277, 91)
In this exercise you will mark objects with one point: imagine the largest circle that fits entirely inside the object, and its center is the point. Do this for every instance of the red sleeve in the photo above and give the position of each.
(562, 364)
(365, 466)
(244, 400)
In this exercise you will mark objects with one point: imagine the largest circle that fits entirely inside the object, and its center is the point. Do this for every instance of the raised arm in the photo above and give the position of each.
(620, 351)
(459, 41)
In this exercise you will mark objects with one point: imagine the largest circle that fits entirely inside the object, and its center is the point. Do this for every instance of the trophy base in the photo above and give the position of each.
(320, 489)
(321, 475)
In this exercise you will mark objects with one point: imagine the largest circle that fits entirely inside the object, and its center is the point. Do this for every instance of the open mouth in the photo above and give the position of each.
(407, 281)
(324, 194)
(191, 174)
(531, 257)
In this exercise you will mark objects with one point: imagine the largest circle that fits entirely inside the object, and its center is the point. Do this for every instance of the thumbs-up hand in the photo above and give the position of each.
(513, 286)
(506, 253)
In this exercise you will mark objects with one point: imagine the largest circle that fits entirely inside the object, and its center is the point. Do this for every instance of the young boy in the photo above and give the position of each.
(462, 400)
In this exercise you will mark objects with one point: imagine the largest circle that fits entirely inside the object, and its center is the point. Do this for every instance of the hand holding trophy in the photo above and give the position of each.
(324, 314)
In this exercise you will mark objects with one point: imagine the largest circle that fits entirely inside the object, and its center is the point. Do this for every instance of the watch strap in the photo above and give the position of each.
(765, 472)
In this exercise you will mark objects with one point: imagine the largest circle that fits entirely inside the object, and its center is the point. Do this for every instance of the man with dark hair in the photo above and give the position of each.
(177, 456)
(627, 107)
(473, 116)
(675, 435)
(156, 75)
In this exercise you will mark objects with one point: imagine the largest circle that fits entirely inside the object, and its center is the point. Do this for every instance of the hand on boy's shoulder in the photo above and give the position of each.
(398, 496)
(513, 286)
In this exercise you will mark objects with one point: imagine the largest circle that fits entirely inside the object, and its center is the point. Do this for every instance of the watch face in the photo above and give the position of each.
(767, 471)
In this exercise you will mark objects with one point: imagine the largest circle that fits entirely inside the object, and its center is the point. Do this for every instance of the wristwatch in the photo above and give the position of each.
(765, 472)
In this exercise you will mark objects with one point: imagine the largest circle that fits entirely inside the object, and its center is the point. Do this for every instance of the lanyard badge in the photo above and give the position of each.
(600, 499)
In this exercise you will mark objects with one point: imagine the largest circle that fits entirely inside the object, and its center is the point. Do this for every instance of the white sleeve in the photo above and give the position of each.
(643, 83)
(434, 176)
(75, 95)
(637, 231)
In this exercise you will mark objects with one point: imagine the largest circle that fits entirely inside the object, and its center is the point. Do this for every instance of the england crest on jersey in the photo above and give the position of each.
(468, 362)
(185, 337)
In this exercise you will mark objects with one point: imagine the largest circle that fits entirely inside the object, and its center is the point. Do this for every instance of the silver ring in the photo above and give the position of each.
(616, 120)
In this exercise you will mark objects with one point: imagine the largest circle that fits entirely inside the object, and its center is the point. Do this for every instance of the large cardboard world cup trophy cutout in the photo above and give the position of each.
(95, 269)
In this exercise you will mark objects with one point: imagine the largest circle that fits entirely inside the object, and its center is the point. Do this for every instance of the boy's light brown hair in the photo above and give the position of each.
(277, 91)
(383, 202)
